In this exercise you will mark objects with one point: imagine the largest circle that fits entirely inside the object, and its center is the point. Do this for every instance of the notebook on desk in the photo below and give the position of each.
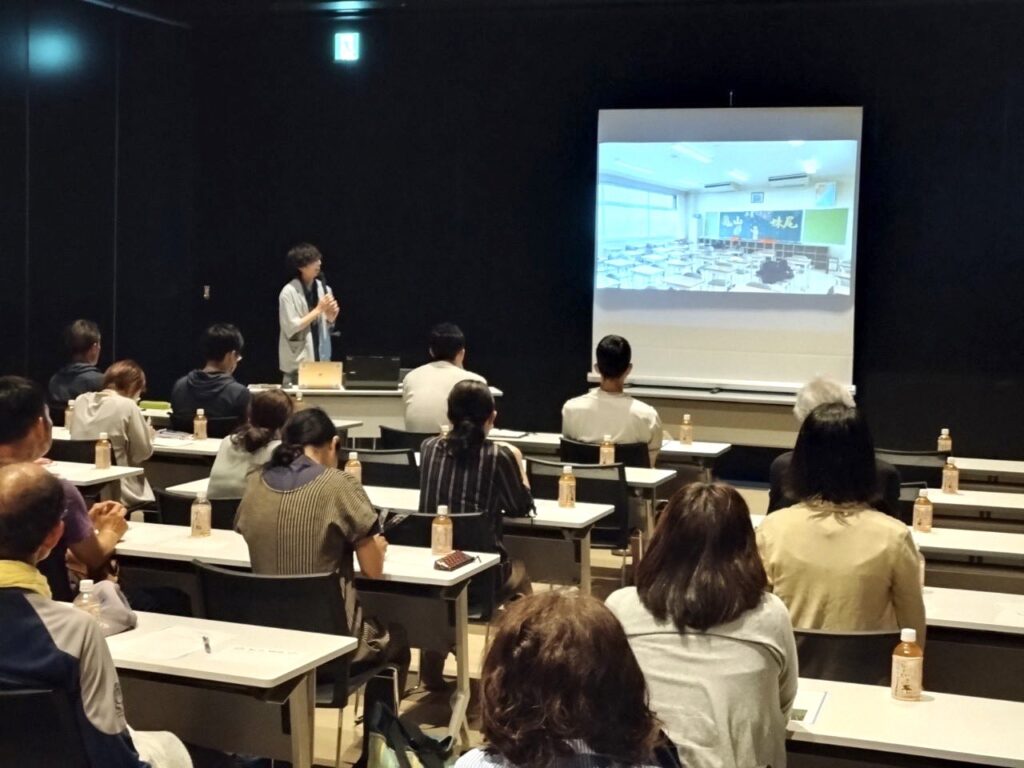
(371, 372)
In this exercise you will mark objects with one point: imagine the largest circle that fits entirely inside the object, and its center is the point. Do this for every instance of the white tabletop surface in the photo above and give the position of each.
(185, 446)
(969, 609)
(342, 392)
(241, 654)
(701, 449)
(1000, 467)
(409, 565)
(954, 541)
(942, 726)
(85, 475)
(976, 499)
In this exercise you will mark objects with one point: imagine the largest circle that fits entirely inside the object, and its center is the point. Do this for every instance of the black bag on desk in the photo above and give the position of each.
(396, 741)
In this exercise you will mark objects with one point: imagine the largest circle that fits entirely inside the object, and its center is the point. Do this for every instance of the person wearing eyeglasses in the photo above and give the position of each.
(214, 387)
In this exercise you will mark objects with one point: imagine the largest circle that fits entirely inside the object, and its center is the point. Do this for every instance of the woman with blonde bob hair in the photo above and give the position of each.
(560, 687)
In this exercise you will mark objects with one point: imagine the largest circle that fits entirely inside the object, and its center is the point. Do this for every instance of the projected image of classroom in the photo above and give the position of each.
(741, 216)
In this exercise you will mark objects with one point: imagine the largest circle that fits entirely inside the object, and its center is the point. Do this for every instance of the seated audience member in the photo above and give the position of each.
(250, 446)
(213, 388)
(774, 270)
(90, 535)
(716, 648)
(115, 410)
(82, 338)
(561, 687)
(837, 562)
(301, 514)
(47, 644)
(818, 392)
(425, 389)
(607, 409)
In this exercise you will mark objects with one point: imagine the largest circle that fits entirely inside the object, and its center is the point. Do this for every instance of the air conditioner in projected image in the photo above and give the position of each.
(789, 180)
(722, 186)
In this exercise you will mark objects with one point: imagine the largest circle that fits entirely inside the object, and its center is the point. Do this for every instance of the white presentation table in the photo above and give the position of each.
(943, 726)
(87, 476)
(409, 568)
(242, 655)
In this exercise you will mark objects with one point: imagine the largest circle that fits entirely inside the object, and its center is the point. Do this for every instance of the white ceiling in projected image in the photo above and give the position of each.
(691, 165)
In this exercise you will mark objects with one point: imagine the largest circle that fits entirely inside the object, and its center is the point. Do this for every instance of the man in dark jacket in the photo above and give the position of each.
(213, 388)
(81, 375)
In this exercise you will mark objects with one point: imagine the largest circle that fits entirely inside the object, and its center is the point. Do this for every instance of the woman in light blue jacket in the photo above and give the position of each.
(306, 310)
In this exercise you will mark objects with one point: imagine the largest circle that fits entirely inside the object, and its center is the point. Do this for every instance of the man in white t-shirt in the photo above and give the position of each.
(607, 409)
(425, 389)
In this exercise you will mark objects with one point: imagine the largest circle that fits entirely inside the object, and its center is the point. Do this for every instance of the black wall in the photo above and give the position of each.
(95, 152)
(450, 174)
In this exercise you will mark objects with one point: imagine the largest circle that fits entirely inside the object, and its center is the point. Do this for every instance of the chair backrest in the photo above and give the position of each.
(847, 657)
(393, 468)
(81, 451)
(216, 426)
(176, 509)
(308, 603)
(595, 483)
(627, 454)
(391, 438)
(916, 466)
(39, 727)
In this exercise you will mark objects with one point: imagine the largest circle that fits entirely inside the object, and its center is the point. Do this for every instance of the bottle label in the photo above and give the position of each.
(103, 457)
(945, 444)
(201, 519)
(199, 429)
(686, 434)
(441, 538)
(356, 470)
(607, 455)
(567, 493)
(923, 517)
(950, 480)
(907, 677)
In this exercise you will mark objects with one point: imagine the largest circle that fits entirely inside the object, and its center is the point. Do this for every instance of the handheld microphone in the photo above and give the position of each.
(335, 333)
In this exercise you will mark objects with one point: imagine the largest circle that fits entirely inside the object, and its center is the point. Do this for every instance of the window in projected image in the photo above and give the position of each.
(740, 216)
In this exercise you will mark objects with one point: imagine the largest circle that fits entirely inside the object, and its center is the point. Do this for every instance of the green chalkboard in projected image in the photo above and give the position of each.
(825, 226)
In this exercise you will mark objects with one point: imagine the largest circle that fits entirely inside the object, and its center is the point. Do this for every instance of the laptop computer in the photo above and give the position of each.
(371, 372)
(320, 375)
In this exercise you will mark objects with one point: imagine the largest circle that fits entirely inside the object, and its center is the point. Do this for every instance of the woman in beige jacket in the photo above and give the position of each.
(837, 563)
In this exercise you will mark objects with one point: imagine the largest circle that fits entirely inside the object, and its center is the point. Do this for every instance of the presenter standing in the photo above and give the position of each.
(306, 310)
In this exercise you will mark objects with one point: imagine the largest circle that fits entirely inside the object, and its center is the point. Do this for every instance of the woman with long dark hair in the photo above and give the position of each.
(304, 515)
(250, 446)
(836, 562)
(716, 647)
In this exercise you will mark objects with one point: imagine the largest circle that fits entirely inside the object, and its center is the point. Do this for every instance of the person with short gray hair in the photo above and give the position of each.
(820, 391)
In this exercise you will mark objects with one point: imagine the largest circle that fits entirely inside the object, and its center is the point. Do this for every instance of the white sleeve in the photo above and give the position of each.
(290, 321)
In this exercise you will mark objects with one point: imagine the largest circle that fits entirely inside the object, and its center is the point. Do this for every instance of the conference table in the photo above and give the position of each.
(431, 604)
(239, 686)
(554, 545)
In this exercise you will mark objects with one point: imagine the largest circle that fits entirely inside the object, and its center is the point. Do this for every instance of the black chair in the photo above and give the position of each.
(216, 426)
(80, 451)
(391, 438)
(595, 483)
(394, 468)
(627, 454)
(846, 657)
(176, 509)
(308, 603)
(39, 727)
(916, 466)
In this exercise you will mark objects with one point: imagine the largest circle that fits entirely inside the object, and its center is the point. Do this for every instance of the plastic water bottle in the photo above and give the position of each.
(945, 442)
(354, 467)
(199, 425)
(950, 477)
(686, 430)
(567, 487)
(103, 452)
(907, 667)
(86, 601)
(441, 531)
(446, 429)
(923, 512)
(607, 453)
(68, 413)
(202, 516)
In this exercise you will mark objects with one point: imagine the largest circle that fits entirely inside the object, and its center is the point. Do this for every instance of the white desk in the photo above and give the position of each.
(249, 657)
(421, 604)
(941, 727)
(979, 505)
(87, 476)
(370, 407)
(967, 609)
(991, 471)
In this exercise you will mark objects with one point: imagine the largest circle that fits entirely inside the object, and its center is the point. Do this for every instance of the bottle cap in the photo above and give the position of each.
(201, 496)
(944, 432)
(200, 412)
(86, 585)
(567, 469)
(71, 403)
(908, 635)
(353, 456)
(922, 494)
(103, 436)
(442, 510)
(950, 462)
(686, 418)
(607, 438)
